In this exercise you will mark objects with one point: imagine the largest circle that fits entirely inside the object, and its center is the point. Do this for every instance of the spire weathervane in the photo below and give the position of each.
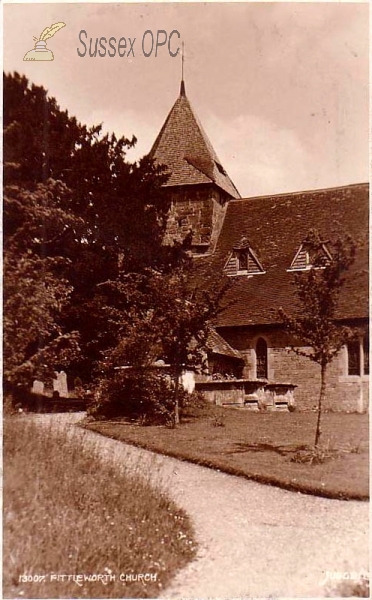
(183, 91)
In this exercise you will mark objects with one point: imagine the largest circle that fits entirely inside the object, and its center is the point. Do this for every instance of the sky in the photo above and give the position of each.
(280, 88)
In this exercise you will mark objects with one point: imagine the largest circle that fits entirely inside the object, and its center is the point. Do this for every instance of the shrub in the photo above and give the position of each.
(194, 400)
(314, 455)
(136, 394)
(196, 405)
(22, 398)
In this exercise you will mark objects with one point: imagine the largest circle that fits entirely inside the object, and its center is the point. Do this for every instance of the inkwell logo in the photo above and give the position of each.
(41, 52)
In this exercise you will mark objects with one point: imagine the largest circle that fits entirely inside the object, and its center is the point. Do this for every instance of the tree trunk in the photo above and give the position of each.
(176, 419)
(318, 432)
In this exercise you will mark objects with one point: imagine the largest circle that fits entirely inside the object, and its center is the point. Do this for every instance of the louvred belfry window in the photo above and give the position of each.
(243, 261)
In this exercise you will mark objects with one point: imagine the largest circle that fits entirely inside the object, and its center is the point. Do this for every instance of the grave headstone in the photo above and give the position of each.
(188, 381)
(60, 384)
(37, 387)
(63, 389)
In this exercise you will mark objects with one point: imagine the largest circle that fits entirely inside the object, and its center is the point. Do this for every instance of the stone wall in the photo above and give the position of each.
(344, 393)
(200, 208)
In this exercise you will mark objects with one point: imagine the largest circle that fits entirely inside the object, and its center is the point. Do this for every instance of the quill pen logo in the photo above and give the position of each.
(41, 52)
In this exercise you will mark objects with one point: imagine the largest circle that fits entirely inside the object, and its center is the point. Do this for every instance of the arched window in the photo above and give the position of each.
(261, 359)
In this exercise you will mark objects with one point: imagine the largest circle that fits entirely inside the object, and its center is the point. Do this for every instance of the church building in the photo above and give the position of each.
(259, 243)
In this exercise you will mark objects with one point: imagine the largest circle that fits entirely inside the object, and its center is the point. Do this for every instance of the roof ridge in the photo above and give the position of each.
(298, 192)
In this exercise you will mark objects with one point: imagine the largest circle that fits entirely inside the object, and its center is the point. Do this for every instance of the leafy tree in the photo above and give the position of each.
(119, 201)
(169, 319)
(117, 205)
(83, 244)
(184, 316)
(318, 292)
(35, 290)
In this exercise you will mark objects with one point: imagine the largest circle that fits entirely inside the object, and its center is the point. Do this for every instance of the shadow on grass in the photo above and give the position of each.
(285, 450)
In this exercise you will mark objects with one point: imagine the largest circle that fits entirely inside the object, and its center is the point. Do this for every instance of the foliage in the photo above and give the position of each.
(79, 213)
(168, 319)
(137, 394)
(314, 455)
(36, 291)
(84, 252)
(318, 293)
(196, 401)
(41, 141)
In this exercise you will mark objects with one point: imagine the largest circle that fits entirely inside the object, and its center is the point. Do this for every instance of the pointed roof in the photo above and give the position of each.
(183, 146)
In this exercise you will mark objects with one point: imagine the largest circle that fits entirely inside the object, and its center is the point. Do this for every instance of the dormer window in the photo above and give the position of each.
(308, 257)
(243, 261)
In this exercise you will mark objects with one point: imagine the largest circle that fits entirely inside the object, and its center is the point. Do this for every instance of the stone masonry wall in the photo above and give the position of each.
(344, 393)
(197, 208)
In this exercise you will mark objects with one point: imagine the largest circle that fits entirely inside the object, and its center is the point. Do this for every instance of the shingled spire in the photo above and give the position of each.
(183, 146)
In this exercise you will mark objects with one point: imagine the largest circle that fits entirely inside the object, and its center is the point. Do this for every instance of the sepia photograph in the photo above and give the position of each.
(185, 300)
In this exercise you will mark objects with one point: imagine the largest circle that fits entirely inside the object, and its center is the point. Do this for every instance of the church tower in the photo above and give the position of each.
(198, 186)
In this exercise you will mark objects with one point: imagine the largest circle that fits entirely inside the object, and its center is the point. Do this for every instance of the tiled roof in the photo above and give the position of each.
(275, 227)
(217, 345)
(183, 146)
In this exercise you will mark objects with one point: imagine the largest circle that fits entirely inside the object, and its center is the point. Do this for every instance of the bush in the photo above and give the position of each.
(197, 407)
(194, 400)
(314, 455)
(22, 398)
(136, 394)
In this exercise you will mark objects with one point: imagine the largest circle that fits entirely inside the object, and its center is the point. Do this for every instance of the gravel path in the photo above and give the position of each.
(254, 540)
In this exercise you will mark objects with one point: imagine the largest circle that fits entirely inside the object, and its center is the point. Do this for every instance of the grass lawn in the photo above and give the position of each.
(68, 513)
(260, 446)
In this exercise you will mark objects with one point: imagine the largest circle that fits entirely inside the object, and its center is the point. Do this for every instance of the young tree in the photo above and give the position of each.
(183, 317)
(318, 292)
(169, 319)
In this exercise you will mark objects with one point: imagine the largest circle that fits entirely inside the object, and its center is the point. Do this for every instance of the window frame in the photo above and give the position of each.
(362, 343)
(246, 252)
